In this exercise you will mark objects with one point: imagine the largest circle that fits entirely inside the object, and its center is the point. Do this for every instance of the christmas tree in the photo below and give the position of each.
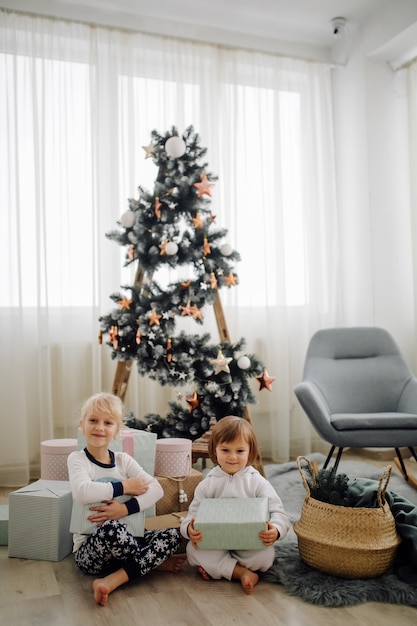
(174, 227)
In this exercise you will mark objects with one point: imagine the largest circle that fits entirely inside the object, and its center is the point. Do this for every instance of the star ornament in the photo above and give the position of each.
(154, 318)
(204, 187)
(197, 221)
(196, 312)
(186, 310)
(230, 280)
(150, 151)
(158, 205)
(265, 381)
(124, 304)
(221, 363)
(193, 401)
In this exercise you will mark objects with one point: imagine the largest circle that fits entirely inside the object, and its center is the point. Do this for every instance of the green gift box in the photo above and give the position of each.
(39, 519)
(232, 523)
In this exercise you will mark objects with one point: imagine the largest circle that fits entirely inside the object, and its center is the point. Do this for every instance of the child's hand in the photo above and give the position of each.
(269, 536)
(110, 509)
(135, 486)
(194, 535)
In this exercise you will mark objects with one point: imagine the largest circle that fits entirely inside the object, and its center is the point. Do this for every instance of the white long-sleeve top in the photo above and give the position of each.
(248, 483)
(84, 472)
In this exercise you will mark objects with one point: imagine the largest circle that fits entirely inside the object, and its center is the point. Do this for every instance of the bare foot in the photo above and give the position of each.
(248, 581)
(204, 573)
(173, 563)
(101, 592)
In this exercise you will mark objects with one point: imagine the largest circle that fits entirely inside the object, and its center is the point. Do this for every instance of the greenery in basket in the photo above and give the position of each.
(327, 486)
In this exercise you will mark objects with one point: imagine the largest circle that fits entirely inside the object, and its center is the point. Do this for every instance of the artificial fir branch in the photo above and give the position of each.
(328, 486)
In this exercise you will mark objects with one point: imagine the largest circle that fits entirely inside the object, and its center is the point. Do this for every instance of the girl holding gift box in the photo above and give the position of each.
(233, 448)
(99, 475)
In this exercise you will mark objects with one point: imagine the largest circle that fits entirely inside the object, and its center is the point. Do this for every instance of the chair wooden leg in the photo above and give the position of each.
(399, 462)
(413, 452)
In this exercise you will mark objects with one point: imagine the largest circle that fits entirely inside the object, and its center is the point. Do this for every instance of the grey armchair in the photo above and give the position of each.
(358, 391)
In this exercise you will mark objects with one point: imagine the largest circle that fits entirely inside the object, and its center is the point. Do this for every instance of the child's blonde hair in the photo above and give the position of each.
(227, 430)
(104, 404)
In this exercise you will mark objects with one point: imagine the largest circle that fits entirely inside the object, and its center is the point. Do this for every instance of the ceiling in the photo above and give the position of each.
(298, 27)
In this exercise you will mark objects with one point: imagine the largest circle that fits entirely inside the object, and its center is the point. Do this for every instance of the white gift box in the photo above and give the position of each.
(232, 523)
(39, 520)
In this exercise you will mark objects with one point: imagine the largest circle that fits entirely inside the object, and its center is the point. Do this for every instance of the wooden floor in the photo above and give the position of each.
(58, 594)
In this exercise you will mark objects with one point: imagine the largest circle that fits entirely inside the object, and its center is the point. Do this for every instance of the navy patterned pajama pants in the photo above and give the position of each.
(112, 546)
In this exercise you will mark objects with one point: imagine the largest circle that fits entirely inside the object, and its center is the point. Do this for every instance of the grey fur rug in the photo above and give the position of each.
(315, 587)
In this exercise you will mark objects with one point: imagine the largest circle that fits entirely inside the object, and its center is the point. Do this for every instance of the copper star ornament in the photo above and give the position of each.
(158, 205)
(193, 401)
(186, 310)
(221, 363)
(162, 247)
(196, 312)
(204, 187)
(206, 247)
(230, 280)
(124, 304)
(154, 318)
(197, 221)
(265, 381)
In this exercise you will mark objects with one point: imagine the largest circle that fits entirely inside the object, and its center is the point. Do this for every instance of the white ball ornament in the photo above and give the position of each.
(243, 362)
(175, 147)
(226, 249)
(171, 248)
(127, 219)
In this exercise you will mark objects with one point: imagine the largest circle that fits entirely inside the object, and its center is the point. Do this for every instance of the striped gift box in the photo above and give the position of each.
(39, 520)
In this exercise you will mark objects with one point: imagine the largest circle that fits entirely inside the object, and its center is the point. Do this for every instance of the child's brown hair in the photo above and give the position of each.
(227, 430)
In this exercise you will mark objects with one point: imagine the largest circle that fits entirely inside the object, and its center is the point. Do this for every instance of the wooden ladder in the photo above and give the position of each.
(123, 369)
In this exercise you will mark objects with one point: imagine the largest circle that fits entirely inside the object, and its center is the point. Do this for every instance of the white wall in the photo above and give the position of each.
(371, 140)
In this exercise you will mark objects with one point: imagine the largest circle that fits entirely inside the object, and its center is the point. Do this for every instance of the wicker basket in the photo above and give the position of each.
(349, 542)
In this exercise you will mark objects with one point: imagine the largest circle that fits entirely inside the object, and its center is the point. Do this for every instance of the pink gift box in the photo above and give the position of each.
(173, 457)
(54, 455)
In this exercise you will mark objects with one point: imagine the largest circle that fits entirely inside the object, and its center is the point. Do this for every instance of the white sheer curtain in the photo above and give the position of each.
(412, 116)
(76, 105)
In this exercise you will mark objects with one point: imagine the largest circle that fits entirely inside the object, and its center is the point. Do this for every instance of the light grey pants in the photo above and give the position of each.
(221, 563)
